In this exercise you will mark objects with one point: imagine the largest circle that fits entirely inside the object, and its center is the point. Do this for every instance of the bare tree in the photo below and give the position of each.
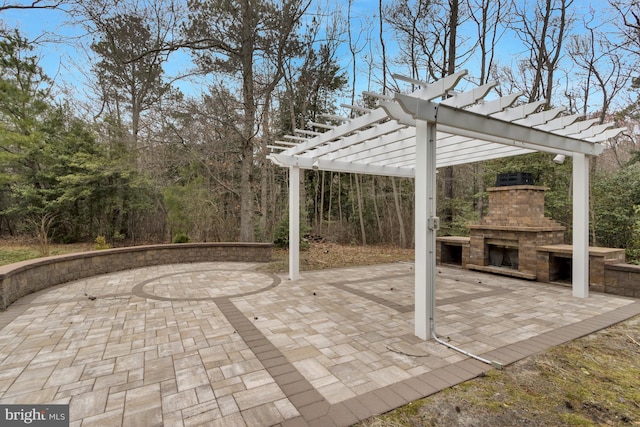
(429, 32)
(490, 18)
(602, 69)
(356, 46)
(629, 24)
(310, 85)
(542, 28)
(34, 4)
(629, 29)
(233, 38)
(383, 47)
(408, 20)
(448, 172)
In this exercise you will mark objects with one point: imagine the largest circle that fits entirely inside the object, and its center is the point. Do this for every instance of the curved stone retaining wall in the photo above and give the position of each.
(22, 278)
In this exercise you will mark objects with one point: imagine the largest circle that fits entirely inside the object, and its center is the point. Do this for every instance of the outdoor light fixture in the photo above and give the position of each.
(559, 159)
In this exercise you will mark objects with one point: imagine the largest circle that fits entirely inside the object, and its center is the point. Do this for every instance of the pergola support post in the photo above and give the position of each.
(426, 224)
(580, 263)
(294, 223)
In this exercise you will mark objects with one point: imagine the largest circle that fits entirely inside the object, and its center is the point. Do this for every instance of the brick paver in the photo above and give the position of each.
(224, 344)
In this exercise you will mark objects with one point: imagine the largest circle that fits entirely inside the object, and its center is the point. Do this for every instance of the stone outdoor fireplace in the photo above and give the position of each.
(506, 239)
(515, 239)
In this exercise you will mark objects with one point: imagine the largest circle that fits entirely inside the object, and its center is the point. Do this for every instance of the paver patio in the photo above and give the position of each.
(223, 344)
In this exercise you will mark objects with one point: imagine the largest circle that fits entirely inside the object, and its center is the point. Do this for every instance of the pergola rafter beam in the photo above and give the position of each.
(604, 136)
(390, 157)
(296, 138)
(592, 131)
(339, 166)
(349, 127)
(518, 112)
(575, 128)
(492, 107)
(355, 139)
(436, 89)
(398, 135)
(322, 125)
(490, 155)
(307, 132)
(560, 123)
(356, 108)
(540, 118)
(287, 143)
(470, 97)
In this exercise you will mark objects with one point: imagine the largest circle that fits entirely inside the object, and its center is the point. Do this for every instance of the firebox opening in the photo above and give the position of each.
(503, 256)
(451, 254)
(560, 269)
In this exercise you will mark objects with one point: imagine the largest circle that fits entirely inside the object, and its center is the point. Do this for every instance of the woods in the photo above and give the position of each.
(158, 126)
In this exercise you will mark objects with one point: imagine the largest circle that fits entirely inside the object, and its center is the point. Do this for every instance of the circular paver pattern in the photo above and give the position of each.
(201, 285)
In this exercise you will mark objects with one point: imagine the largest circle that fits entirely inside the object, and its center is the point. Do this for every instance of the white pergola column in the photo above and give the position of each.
(294, 223)
(580, 264)
(425, 228)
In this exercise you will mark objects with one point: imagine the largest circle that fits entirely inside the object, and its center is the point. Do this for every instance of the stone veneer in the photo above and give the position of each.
(621, 279)
(22, 278)
(516, 221)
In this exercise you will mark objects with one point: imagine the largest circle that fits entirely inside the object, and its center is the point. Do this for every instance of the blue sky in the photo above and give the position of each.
(57, 46)
(68, 66)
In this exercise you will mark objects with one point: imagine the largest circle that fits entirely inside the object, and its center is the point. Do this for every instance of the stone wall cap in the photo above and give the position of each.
(516, 228)
(593, 250)
(453, 239)
(621, 266)
(9, 269)
(518, 187)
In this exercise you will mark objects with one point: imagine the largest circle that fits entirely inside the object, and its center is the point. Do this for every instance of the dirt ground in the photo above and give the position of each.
(322, 255)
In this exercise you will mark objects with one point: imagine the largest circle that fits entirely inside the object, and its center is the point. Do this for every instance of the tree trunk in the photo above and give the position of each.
(453, 28)
(478, 172)
(451, 69)
(353, 49)
(330, 199)
(247, 232)
(396, 200)
(384, 49)
(264, 171)
(304, 216)
(340, 199)
(264, 197)
(321, 204)
(316, 203)
(360, 215)
(375, 207)
(592, 210)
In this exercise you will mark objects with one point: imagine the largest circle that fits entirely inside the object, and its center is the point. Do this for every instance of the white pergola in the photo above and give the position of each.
(411, 135)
